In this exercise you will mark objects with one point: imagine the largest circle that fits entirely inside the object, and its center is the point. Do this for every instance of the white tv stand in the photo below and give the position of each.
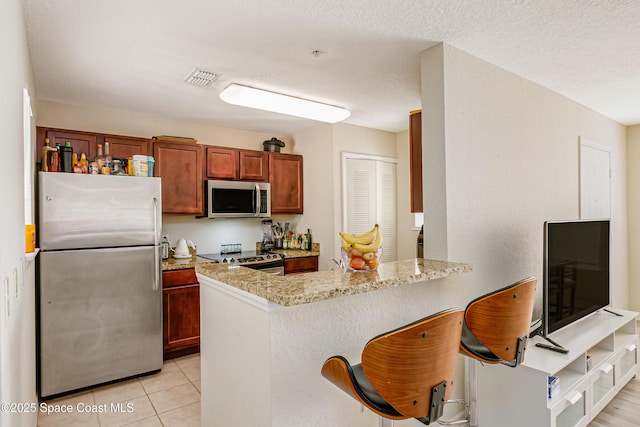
(602, 358)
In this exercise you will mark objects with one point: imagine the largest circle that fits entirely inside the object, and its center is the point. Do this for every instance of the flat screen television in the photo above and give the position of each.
(576, 271)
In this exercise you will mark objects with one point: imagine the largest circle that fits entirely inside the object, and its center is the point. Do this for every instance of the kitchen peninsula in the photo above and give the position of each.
(264, 338)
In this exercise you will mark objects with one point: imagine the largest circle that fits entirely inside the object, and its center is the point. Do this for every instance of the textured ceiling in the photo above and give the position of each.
(135, 54)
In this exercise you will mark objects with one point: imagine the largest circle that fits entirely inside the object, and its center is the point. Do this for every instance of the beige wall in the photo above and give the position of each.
(633, 195)
(17, 284)
(510, 162)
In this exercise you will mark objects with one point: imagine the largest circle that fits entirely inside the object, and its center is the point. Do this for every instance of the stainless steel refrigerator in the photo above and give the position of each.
(99, 279)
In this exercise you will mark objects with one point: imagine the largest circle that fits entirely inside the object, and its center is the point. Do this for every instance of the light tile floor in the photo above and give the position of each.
(169, 398)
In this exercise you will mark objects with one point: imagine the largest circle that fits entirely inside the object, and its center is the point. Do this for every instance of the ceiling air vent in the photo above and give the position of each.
(201, 78)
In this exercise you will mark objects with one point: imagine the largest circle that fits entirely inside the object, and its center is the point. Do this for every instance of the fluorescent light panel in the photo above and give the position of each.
(271, 101)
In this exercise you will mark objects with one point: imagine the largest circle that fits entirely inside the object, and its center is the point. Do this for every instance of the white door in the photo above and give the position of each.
(369, 198)
(595, 180)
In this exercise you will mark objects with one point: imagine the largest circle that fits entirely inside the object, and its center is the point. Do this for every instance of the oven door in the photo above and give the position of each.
(275, 267)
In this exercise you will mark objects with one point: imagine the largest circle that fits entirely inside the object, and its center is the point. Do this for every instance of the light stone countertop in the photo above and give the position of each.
(180, 264)
(322, 285)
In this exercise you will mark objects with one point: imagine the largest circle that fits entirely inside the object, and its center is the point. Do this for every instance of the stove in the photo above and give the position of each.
(267, 262)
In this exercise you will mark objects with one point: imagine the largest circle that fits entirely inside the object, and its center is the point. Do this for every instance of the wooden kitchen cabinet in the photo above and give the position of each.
(82, 142)
(415, 160)
(123, 147)
(300, 265)
(181, 313)
(222, 163)
(179, 164)
(253, 165)
(120, 147)
(285, 176)
(237, 164)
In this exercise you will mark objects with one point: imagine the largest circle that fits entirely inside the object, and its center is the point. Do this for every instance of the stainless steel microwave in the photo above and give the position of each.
(237, 199)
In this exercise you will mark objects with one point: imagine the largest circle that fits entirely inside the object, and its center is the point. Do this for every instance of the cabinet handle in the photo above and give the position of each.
(574, 399)
(631, 347)
(606, 368)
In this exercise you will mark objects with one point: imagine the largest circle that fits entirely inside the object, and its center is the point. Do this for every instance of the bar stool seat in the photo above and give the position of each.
(407, 372)
(495, 331)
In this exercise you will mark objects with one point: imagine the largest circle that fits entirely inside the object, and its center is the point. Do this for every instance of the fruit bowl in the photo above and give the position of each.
(357, 261)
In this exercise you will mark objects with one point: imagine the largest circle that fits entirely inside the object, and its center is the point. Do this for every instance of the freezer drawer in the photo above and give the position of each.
(97, 211)
(100, 316)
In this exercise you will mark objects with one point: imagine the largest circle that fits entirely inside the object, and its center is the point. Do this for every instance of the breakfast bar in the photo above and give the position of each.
(264, 338)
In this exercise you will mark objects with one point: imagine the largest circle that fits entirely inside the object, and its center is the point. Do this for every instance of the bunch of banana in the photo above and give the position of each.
(363, 250)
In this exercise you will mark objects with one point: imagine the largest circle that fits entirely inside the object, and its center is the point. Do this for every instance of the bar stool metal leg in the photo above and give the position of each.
(385, 422)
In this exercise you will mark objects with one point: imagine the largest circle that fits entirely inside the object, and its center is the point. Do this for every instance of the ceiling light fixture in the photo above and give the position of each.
(271, 101)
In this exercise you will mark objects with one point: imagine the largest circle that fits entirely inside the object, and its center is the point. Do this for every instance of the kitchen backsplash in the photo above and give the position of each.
(208, 235)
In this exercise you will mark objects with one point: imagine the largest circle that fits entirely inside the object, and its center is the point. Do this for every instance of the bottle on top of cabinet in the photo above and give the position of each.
(47, 157)
(67, 157)
(108, 161)
(100, 160)
(84, 164)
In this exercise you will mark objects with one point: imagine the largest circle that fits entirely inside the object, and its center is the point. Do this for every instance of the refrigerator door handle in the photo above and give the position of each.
(156, 258)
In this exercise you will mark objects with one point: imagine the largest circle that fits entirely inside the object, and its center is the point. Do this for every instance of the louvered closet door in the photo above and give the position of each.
(370, 198)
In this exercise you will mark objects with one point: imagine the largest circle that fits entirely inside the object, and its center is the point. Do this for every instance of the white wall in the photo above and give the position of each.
(509, 151)
(633, 199)
(17, 325)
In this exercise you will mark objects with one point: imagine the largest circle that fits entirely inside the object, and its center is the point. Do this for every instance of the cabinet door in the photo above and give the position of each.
(254, 165)
(180, 167)
(123, 147)
(80, 142)
(285, 176)
(181, 317)
(222, 163)
(300, 265)
(415, 160)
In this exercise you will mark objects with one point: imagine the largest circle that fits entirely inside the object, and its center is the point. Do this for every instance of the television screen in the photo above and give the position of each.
(576, 271)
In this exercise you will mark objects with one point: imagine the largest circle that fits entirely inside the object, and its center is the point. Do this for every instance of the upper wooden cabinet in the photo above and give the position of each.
(120, 147)
(285, 176)
(222, 163)
(123, 147)
(253, 165)
(232, 163)
(82, 142)
(415, 160)
(179, 164)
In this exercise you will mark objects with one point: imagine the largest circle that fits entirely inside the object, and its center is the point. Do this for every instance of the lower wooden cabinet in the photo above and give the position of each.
(181, 313)
(300, 265)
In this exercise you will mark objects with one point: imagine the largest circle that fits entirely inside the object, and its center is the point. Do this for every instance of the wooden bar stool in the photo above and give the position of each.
(405, 373)
(496, 330)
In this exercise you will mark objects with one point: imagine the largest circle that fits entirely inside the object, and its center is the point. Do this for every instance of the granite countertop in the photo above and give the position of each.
(180, 264)
(317, 286)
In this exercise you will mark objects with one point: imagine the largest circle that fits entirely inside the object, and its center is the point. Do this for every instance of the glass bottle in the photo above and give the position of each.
(308, 235)
(100, 160)
(107, 157)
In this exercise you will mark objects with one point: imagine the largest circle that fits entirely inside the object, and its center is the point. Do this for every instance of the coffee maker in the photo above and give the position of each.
(267, 235)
